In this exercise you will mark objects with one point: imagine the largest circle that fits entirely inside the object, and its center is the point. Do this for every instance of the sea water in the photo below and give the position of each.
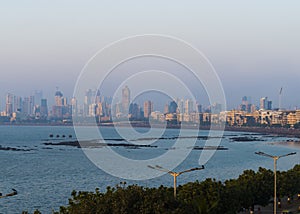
(45, 175)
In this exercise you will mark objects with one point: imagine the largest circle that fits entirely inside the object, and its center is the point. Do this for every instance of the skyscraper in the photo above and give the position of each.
(246, 104)
(89, 99)
(9, 104)
(125, 99)
(148, 108)
(25, 106)
(58, 98)
(31, 105)
(173, 107)
(180, 104)
(57, 109)
(199, 108)
(74, 107)
(265, 104)
(188, 106)
(44, 108)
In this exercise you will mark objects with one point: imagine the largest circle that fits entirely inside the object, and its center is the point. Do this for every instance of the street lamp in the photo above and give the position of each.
(275, 158)
(175, 174)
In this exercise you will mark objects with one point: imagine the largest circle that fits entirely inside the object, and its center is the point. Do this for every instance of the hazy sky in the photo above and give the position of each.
(253, 45)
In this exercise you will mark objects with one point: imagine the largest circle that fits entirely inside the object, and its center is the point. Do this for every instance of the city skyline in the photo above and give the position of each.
(96, 103)
(274, 104)
(106, 110)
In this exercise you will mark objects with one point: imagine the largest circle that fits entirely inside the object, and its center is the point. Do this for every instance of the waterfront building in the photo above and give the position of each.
(134, 111)
(58, 98)
(298, 116)
(57, 112)
(125, 100)
(265, 104)
(166, 109)
(291, 118)
(92, 110)
(180, 105)
(148, 108)
(17, 104)
(188, 106)
(199, 108)
(266, 117)
(246, 104)
(61, 109)
(172, 107)
(89, 98)
(25, 106)
(74, 106)
(158, 116)
(117, 110)
(277, 118)
(44, 108)
(206, 118)
(9, 107)
(171, 118)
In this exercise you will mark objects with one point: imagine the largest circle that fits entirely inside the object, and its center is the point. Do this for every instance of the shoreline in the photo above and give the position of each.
(276, 131)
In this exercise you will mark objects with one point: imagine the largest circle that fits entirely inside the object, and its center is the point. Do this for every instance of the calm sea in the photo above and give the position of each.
(45, 176)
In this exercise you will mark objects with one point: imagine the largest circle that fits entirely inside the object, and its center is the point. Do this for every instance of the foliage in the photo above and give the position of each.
(209, 196)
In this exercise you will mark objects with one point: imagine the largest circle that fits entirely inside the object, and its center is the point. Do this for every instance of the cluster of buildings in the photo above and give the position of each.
(24, 107)
(96, 106)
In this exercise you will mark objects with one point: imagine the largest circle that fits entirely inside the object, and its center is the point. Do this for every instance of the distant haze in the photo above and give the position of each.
(253, 45)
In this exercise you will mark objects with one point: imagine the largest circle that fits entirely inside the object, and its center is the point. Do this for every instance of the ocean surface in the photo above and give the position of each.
(45, 175)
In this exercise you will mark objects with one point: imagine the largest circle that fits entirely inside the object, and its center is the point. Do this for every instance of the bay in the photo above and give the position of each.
(45, 175)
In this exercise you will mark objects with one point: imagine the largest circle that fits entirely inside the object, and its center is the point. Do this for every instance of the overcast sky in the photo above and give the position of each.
(253, 45)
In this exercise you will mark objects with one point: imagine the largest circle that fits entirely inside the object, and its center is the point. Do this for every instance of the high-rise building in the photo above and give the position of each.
(25, 106)
(188, 106)
(246, 104)
(125, 99)
(17, 105)
(98, 97)
(265, 104)
(64, 101)
(134, 111)
(89, 99)
(58, 98)
(180, 104)
(173, 107)
(31, 105)
(199, 108)
(148, 108)
(9, 107)
(60, 109)
(117, 111)
(166, 109)
(74, 106)
(44, 108)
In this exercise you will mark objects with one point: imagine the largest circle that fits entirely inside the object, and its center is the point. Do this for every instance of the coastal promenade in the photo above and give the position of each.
(277, 131)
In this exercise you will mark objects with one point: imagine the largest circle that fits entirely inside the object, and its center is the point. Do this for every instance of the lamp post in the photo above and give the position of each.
(175, 174)
(275, 158)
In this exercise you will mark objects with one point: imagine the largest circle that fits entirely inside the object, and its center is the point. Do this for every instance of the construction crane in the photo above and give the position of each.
(280, 98)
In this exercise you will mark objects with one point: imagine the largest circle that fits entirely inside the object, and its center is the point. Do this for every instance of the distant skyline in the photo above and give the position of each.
(158, 99)
(253, 45)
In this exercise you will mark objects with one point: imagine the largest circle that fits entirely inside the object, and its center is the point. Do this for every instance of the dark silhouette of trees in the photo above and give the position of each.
(209, 196)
